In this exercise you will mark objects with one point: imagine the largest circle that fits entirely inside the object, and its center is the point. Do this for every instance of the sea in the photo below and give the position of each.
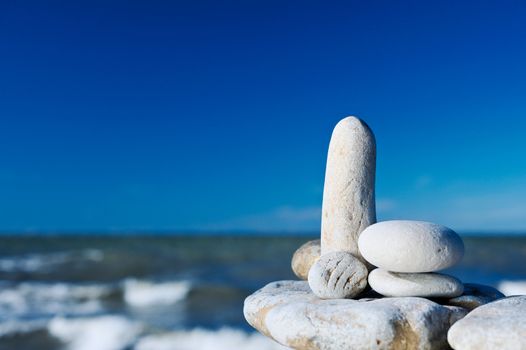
(177, 292)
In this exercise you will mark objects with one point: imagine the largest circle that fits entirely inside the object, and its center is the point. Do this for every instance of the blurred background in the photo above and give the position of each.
(162, 160)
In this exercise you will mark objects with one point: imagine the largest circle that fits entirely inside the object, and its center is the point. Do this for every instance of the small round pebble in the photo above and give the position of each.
(304, 257)
(337, 275)
(410, 246)
(429, 285)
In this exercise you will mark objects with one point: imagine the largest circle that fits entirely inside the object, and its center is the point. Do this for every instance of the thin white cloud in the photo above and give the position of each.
(385, 205)
(423, 181)
(492, 210)
(468, 207)
(463, 206)
(283, 218)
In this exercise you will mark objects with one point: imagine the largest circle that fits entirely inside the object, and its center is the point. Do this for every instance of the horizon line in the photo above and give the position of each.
(236, 232)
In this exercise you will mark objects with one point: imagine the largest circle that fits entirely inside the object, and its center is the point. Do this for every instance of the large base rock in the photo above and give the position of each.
(288, 312)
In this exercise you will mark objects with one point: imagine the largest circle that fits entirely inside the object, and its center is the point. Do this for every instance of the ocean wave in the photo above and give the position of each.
(46, 300)
(38, 298)
(101, 333)
(140, 293)
(12, 327)
(512, 287)
(46, 262)
(202, 339)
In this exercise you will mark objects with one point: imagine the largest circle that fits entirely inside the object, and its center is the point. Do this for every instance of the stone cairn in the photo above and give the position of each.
(368, 285)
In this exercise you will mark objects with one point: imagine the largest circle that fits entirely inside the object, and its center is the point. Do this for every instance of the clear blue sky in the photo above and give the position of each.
(216, 115)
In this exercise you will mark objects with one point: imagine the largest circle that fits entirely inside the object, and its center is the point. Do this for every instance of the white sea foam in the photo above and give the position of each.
(11, 327)
(144, 293)
(31, 262)
(201, 339)
(100, 333)
(93, 254)
(43, 301)
(46, 262)
(50, 298)
(512, 287)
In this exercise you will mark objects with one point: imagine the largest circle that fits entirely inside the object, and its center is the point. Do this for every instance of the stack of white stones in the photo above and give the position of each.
(402, 257)
(408, 254)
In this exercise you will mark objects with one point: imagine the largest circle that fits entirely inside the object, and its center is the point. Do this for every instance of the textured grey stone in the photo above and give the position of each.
(410, 246)
(304, 257)
(291, 314)
(348, 194)
(396, 284)
(337, 275)
(497, 325)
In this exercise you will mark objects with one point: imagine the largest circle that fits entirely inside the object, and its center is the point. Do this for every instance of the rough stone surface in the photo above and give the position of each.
(348, 194)
(474, 296)
(497, 325)
(395, 284)
(304, 257)
(337, 275)
(291, 314)
(410, 246)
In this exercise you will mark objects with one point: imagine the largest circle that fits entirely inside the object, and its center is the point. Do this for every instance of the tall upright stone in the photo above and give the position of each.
(348, 195)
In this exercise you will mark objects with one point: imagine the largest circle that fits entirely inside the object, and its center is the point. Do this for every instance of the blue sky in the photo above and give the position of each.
(206, 115)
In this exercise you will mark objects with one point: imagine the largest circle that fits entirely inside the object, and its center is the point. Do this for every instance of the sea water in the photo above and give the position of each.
(84, 292)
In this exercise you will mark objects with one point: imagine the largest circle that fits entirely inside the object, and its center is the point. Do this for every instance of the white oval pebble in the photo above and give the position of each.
(337, 275)
(429, 285)
(410, 246)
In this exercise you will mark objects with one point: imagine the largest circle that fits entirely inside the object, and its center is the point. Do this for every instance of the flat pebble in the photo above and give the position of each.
(395, 284)
(304, 257)
(410, 246)
(337, 275)
(475, 295)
